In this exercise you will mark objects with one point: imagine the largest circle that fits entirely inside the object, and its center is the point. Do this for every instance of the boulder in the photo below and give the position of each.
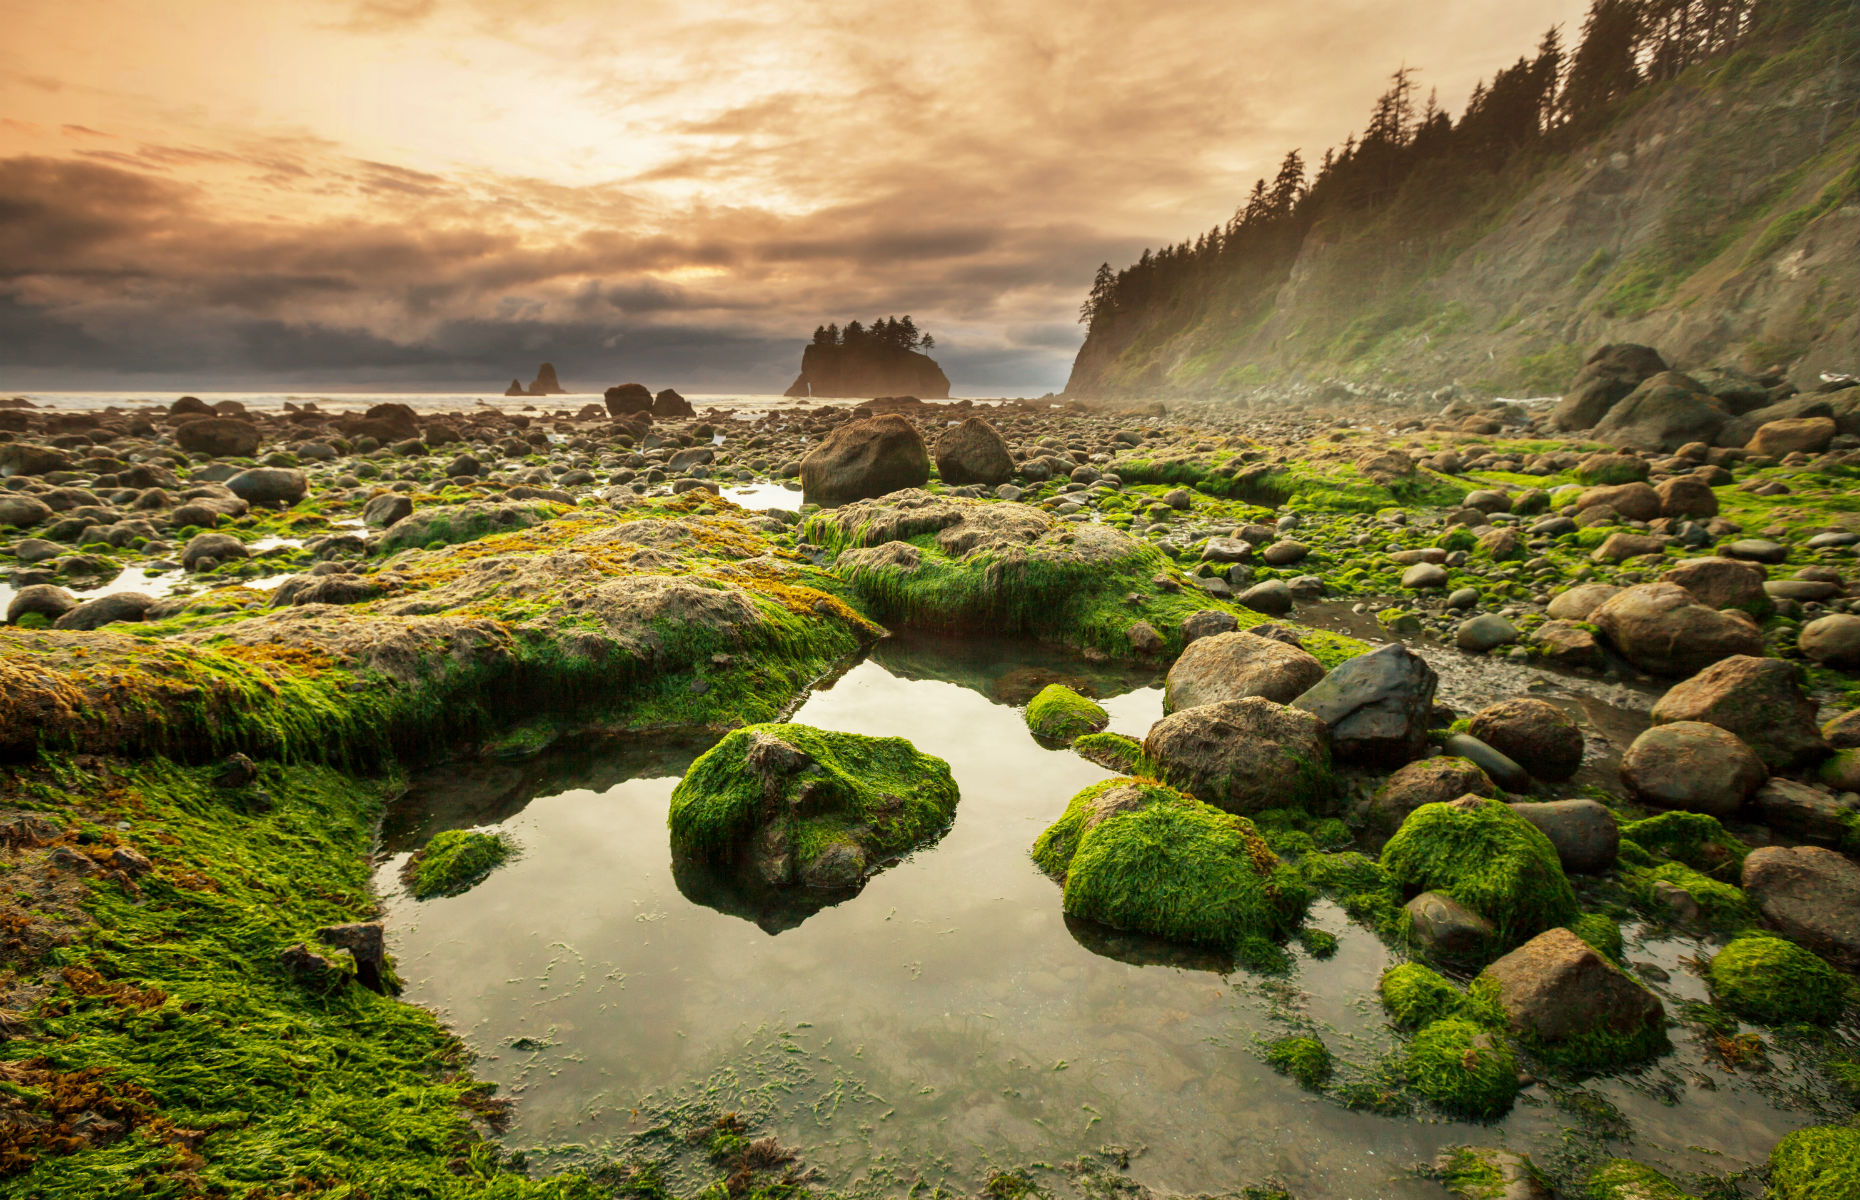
(22, 511)
(1686, 497)
(94, 614)
(1579, 602)
(386, 509)
(1586, 836)
(1760, 700)
(1802, 811)
(1662, 629)
(973, 452)
(40, 599)
(220, 547)
(269, 485)
(1426, 781)
(1663, 413)
(1376, 705)
(219, 437)
(23, 458)
(1832, 641)
(670, 406)
(1721, 583)
(1442, 927)
(1243, 755)
(628, 398)
(1233, 666)
(1556, 988)
(1635, 501)
(1535, 734)
(1809, 895)
(1487, 631)
(1206, 623)
(862, 459)
(1608, 376)
(1693, 766)
(1810, 435)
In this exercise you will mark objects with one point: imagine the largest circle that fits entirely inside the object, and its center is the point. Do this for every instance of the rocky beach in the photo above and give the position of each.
(1523, 726)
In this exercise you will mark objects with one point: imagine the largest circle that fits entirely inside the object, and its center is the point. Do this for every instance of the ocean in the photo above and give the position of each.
(748, 404)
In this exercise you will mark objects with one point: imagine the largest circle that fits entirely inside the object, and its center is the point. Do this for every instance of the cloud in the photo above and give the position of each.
(441, 189)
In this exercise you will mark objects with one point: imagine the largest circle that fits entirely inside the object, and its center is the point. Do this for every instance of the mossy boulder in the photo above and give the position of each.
(1416, 995)
(1112, 751)
(1305, 1059)
(1819, 1163)
(454, 862)
(1144, 858)
(1480, 853)
(1777, 982)
(1462, 1068)
(1060, 715)
(794, 805)
(1676, 892)
(1570, 1004)
(1695, 839)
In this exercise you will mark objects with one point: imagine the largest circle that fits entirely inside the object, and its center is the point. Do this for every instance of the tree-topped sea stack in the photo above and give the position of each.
(887, 359)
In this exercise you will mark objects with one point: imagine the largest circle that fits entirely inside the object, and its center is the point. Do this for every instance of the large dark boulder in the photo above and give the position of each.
(973, 452)
(1609, 375)
(864, 459)
(1664, 413)
(628, 398)
(220, 437)
(669, 405)
(1376, 705)
(269, 485)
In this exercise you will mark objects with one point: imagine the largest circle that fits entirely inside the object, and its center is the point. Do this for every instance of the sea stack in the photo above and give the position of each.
(546, 383)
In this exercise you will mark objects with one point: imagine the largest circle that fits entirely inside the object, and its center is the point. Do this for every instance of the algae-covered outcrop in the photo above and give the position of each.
(678, 609)
(794, 806)
(1141, 857)
(455, 861)
(939, 562)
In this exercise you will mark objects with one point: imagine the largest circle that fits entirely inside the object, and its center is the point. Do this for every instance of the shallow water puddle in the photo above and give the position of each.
(764, 496)
(948, 1021)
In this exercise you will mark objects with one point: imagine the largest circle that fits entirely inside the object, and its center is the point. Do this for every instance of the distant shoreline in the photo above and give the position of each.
(423, 401)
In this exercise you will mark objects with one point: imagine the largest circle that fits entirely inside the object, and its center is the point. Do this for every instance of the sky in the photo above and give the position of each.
(437, 195)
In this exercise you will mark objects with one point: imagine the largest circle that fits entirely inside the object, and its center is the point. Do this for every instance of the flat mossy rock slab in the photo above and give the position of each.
(675, 613)
(946, 563)
(796, 806)
(1141, 857)
(1483, 855)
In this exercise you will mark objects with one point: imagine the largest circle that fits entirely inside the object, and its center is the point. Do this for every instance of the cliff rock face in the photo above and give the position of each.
(1717, 218)
(868, 371)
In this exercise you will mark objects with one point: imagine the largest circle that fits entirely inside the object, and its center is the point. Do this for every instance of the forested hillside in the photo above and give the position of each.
(1685, 174)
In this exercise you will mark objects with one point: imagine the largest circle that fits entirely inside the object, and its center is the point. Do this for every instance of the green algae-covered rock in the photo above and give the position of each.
(1416, 995)
(1462, 1068)
(1676, 892)
(1303, 1058)
(1621, 1179)
(1482, 854)
(1693, 838)
(1059, 714)
(1112, 751)
(455, 861)
(1144, 858)
(1820, 1163)
(798, 805)
(1776, 982)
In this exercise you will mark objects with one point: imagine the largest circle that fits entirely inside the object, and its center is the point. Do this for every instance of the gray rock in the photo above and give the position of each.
(1272, 597)
(1376, 705)
(1585, 834)
(1504, 772)
(1802, 811)
(1487, 631)
(269, 485)
(1833, 641)
(1424, 577)
(386, 509)
(1442, 927)
(220, 547)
